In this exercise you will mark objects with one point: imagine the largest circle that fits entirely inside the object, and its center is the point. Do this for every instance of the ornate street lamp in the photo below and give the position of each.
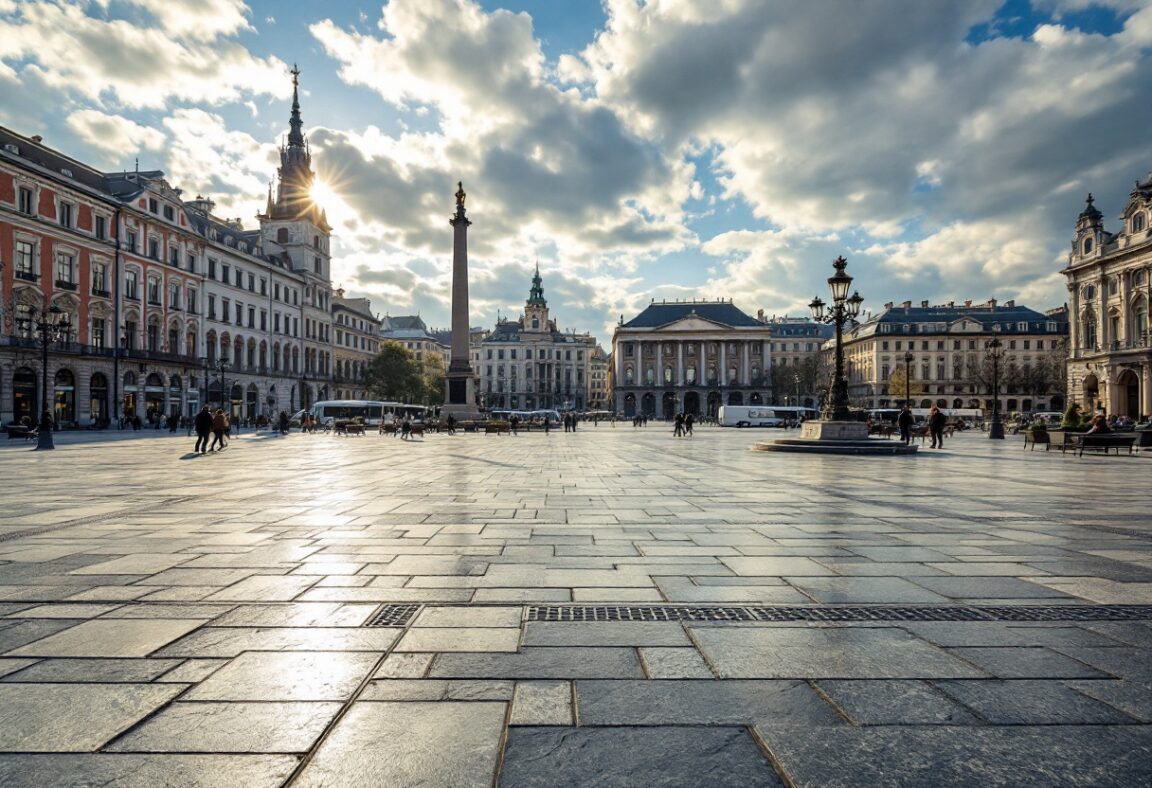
(844, 310)
(52, 326)
(908, 357)
(221, 367)
(994, 349)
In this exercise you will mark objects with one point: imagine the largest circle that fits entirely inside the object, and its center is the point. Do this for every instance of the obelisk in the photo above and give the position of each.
(459, 400)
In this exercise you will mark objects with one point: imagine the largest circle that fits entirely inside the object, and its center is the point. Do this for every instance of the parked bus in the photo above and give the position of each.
(762, 415)
(370, 411)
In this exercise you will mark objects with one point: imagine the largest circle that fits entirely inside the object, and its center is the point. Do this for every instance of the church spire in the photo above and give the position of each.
(536, 294)
(295, 135)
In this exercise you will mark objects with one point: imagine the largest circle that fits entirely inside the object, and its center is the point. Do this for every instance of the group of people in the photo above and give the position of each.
(212, 424)
(682, 425)
(937, 421)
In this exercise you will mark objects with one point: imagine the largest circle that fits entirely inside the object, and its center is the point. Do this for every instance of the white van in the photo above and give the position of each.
(748, 416)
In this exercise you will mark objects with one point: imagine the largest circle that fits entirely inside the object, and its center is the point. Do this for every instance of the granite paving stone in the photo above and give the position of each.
(469, 617)
(541, 663)
(1037, 702)
(438, 690)
(231, 641)
(605, 633)
(894, 702)
(444, 639)
(24, 632)
(230, 727)
(146, 771)
(289, 676)
(1107, 756)
(848, 653)
(710, 702)
(1029, 662)
(74, 717)
(671, 757)
(542, 703)
(109, 638)
(95, 671)
(674, 663)
(414, 743)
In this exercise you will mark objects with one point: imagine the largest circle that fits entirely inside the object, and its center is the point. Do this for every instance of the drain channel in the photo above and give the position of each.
(401, 615)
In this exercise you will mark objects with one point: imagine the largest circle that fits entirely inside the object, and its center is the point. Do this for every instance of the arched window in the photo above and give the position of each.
(628, 375)
(668, 373)
(1138, 223)
(1140, 322)
(1087, 246)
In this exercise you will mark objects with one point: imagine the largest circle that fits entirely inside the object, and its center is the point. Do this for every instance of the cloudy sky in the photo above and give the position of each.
(638, 149)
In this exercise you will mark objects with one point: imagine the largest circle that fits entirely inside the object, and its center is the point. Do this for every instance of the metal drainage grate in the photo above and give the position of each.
(835, 614)
(392, 616)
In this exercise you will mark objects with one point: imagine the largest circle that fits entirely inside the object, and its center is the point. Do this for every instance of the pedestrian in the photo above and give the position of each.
(203, 424)
(547, 425)
(451, 422)
(406, 428)
(219, 427)
(173, 423)
(678, 429)
(936, 422)
(688, 420)
(904, 422)
(283, 422)
(513, 423)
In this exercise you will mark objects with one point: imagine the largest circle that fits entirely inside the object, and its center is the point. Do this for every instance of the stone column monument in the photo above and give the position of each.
(460, 397)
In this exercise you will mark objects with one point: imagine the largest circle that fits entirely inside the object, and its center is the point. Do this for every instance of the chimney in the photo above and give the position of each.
(951, 304)
(888, 305)
(760, 315)
(907, 305)
(992, 303)
(1010, 304)
(923, 304)
(36, 138)
(967, 302)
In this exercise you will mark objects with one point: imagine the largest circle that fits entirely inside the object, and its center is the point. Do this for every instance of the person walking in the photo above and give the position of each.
(219, 427)
(936, 422)
(203, 424)
(904, 422)
(678, 428)
(283, 422)
(688, 421)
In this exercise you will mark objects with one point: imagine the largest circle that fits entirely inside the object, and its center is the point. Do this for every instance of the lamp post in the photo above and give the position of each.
(995, 351)
(844, 310)
(908, 378)
(52, 326)
(221, 366)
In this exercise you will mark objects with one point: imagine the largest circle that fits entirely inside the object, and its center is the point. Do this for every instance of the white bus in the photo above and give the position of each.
(763, 415)
(370, 411)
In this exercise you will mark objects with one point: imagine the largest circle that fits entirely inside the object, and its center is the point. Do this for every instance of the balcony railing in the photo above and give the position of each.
(101, 293)
(28, 276)
(64, 284)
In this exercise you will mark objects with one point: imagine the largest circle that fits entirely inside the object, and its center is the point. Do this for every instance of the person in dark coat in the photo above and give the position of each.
(203, 429)
(219, 427)
(936, 422)
(283, 422)
(904, 422)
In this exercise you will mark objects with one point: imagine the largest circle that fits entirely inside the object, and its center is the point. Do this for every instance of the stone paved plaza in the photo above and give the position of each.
(169, 619)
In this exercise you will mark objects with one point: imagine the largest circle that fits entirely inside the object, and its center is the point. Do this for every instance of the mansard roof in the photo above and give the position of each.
(662, 313)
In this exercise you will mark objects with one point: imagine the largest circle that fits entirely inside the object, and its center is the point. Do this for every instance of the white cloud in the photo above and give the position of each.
(130, 64)
(114, 135)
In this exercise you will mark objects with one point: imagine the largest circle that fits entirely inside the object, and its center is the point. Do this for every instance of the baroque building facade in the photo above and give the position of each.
(170, 306)
(690, 357)
(357, 341)
(942, 351)
(1109, 279)
(530, 364)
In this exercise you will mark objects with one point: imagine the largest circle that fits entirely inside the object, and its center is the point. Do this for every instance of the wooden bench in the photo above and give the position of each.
(20, 431)
(1100, 442)
(1034, 438)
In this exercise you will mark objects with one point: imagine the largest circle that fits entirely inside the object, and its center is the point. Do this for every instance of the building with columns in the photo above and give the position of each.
(690, 356)
(1109, 278)
(530, 364)
(159, 292)
(949, 364)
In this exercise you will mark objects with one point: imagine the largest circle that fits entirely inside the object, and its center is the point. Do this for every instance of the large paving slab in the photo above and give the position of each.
(202, 623)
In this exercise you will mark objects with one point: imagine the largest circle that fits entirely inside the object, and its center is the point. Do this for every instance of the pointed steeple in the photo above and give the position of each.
(295, 124)
(536, 294)
(268, 208)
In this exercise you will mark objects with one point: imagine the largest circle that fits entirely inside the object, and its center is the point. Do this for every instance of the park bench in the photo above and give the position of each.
(20, 431)
(1034, 438)
(1100, 442)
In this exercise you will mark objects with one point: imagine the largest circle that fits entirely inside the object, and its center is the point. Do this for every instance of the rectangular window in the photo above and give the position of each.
(66, 214)
(263, 286)
(225, 305)
(26, 261)
(276, 291)
(132, 285)
(174, 296)
(169, 214)
(276, 322)
(263, 320)
(25, 199)
(152, 204)
(99, 279)
(225, 272)
(239, 278)
(129, 334)
(101, 227)
(98, 336)
(191, 262)
(211, 307)
(154, 291)
(174, 258)
(65, 268)
(1039, 344)
(252, 283)
(251, 317)
(239, 313)
(192, 301)
(154, 248)
(211, 268)
(130, 241)
(1027, 344)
